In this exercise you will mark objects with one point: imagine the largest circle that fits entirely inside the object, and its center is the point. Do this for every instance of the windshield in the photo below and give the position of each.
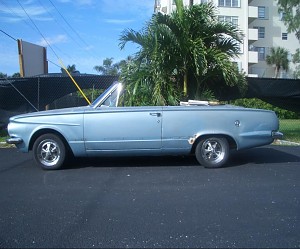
(110, 97)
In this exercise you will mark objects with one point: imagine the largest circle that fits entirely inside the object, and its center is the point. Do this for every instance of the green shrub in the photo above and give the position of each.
(259, 104)
(3, 135)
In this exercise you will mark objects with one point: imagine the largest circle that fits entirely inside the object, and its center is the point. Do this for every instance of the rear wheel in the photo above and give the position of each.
(212, 152)
(49, 151)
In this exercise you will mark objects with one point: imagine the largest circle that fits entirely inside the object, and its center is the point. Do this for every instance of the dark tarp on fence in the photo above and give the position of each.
(43, 90)
(22, 95)
(284, 93)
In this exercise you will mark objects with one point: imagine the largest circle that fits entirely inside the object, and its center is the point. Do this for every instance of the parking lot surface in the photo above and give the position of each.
(152, 202)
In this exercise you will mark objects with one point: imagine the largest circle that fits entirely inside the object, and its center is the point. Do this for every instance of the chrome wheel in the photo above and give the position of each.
(49, 151)
(212, 152)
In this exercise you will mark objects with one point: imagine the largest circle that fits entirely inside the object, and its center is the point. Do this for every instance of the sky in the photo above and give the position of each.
(80, 32)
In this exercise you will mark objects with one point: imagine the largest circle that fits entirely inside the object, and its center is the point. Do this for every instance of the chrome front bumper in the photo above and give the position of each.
(14, 140)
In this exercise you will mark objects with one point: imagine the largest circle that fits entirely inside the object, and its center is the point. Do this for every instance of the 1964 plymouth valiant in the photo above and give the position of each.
(105, 129)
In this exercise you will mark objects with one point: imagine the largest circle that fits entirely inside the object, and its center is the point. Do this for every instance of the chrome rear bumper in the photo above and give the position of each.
(277, 135)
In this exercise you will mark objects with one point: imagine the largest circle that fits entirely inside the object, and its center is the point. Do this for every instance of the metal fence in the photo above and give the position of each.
(52, 91)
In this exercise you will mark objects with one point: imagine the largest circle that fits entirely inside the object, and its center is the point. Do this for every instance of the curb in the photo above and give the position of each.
(285, 142)
(5, 145)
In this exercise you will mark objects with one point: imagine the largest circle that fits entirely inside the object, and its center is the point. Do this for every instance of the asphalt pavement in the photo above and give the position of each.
(152, 202)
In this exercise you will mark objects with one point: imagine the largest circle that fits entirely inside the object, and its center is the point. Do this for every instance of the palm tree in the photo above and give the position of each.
(16, 75)
(296, 61)
(3, 75)
(108, 68)
(70, 69)
(189, 46)
(149, 82)
(204, 45)
(278, 57)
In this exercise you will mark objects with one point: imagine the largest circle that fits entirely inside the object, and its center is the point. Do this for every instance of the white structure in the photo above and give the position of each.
(262, 26)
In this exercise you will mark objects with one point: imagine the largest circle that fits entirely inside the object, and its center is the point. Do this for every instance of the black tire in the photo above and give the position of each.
(49, 152)
(212, 152)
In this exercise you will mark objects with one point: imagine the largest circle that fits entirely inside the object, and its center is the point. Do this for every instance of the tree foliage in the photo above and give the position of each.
(70, 69)
(148, 84)
(108, 67)
(296, 61)
(188, 52)
(291, 13)
(4, 75)
(260, 104)
(16, 75)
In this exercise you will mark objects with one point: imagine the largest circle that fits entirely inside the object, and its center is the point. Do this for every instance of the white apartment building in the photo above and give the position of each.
(262, 26)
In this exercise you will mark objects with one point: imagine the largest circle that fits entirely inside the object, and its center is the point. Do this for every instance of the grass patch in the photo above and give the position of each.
(290, 129)
(3, 135)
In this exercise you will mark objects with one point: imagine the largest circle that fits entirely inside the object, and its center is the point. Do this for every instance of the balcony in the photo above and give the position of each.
(252, 13)
(252, 35)
(252, 57)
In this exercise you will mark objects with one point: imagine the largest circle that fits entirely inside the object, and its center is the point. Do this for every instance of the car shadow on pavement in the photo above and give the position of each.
(138, 161)
(260, 155)
(265, 155)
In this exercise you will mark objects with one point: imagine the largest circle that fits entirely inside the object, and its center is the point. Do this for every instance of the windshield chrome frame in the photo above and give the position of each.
(116, 86)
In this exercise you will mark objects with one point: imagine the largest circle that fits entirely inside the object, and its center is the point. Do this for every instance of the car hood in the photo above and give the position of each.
(71, 110)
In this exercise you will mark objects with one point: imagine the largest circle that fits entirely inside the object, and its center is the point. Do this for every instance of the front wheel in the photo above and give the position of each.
(49, 152)
(212, 152)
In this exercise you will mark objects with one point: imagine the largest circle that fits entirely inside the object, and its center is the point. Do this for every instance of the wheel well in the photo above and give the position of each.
(39, 133)
(230, 140)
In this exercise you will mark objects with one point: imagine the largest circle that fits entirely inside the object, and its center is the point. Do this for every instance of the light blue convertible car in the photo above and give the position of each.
(105, 129)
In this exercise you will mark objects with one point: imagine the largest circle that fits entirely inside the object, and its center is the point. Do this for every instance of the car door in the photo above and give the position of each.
(125, 130)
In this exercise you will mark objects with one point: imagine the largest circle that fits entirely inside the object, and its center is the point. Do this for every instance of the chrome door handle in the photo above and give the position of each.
(157, 114)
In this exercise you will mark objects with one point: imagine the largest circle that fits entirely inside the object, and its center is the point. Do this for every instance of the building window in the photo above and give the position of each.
(229, 3)
(236, 3)
(282, 16)
(261, 53)
(284, 36)
(234, 20)
(261, 32)
(204, 1)
(262, 12)
(164, 10)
